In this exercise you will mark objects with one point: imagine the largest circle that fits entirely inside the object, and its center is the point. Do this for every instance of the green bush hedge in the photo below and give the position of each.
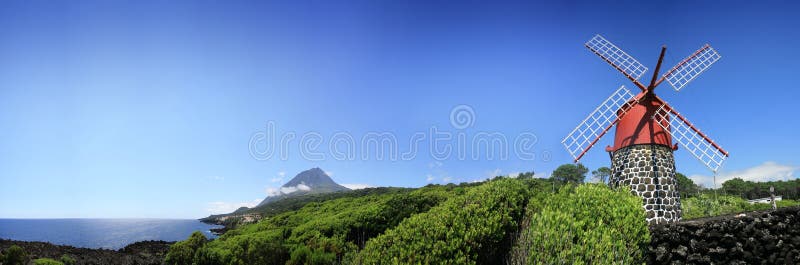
(183, 252)
(589, 224)
(317, 233)
(46, 261)
(466, 229)
(15, 255)
(706, 205)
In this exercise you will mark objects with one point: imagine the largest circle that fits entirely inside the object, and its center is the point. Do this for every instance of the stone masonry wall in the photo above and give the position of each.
(764, 237)
(649, 170)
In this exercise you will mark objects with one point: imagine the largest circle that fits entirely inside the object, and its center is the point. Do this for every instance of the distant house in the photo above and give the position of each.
(765, 200)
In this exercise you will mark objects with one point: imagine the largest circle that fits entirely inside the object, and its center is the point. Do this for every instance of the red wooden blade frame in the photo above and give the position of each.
(625, 108)
(622, 56)
(691, 126)
(691, 67)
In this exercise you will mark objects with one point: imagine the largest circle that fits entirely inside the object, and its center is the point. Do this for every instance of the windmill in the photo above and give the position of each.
(646, 126)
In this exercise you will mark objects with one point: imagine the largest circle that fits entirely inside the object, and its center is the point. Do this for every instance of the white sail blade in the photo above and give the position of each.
(691, 67)
(598, 122)
(617, 58)
(690, 138)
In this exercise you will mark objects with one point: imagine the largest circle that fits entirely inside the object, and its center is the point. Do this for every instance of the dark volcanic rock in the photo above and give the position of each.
(140, 253)
(765, 237)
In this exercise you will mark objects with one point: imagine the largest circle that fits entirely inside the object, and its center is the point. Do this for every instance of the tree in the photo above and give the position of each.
(525, 175)
(183, 252)
(686, 186)
(15, 255)
(574, 173)
(736, 186)
(601, 174)
(67, 260)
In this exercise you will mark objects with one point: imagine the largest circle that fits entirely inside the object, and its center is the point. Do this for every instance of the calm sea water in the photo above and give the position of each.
(100, 233)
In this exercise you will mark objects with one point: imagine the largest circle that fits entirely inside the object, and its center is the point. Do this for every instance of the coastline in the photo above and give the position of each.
(142, 252)
(211, 220)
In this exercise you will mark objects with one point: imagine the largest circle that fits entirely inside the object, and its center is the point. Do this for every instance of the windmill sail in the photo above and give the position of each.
(690, 138)
(617, 58)
(598, 122)
(688, 69)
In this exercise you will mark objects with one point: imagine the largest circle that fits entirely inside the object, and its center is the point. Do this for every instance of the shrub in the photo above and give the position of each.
(706, 205)
(15, 255)
(67, 260)
(465, 229)
(183, 252)
(318, 233)
(592, 224)
(46, 261)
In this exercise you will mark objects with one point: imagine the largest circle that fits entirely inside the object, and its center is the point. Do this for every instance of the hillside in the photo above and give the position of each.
(471, 223)
(500, 221)
(296, 202)
(313, 185)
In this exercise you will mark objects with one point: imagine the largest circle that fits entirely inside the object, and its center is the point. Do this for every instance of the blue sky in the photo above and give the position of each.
(147, 109)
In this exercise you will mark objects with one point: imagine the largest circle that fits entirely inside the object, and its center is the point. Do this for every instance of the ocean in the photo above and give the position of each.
(101, 233)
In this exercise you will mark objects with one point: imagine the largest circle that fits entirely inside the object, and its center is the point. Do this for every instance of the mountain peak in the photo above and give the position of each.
(313, 180)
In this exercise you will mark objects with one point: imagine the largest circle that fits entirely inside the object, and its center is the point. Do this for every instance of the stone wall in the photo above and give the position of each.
(649, 170)
(765, 237)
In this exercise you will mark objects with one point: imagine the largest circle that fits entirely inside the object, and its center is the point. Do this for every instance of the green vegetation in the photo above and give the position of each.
(67, 260)
(579, 226)
(521, 220)
(706, 205)
(470, 223)
(601, 174)
(15, 255)
(466, 229)
(317, 233)
(572, 173)
(183, 252)
(46, 261)
(295, 203)
(686, 186)
(754, 190)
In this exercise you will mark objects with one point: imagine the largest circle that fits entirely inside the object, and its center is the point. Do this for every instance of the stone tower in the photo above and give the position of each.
(649, 171)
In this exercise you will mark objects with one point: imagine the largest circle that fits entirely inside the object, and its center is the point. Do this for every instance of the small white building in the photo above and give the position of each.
(765, 200)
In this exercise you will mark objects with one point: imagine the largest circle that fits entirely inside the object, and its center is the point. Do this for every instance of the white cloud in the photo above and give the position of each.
(329, 173)
(435, 164)
(430, 178)
(765, 172)
(542, 175)
(280, 177)
(291, 189)
(287, 190)
(217, 178)
(227, 207)
(357, 186)
(494, 173)
(273, 191)
(447, 179)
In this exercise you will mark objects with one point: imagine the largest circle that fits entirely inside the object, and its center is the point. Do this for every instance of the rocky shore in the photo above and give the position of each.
(762, 237)
(140, 253)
